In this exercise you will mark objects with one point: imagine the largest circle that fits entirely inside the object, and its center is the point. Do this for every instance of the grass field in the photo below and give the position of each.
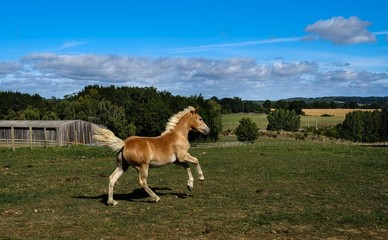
(231, 121)
(275, 189)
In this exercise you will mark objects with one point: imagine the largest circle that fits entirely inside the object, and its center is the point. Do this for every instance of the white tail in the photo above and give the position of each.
(107, 138)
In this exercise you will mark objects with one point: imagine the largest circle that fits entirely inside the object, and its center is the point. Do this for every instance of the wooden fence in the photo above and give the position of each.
(71, 133)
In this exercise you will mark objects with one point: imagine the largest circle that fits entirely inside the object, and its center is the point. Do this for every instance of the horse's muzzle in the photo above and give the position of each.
(205, 130)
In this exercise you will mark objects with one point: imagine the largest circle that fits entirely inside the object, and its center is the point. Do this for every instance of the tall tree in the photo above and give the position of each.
(113, 117)
(282, 119)
(362, 126)
(213, 119)
(384, 124)
(247, 130)
(267, 105)
(353, 126)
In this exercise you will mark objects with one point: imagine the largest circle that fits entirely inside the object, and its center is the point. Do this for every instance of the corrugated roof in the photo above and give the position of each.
(35, 123)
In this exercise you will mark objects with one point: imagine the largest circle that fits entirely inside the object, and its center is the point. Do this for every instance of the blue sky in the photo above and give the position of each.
(247, 49)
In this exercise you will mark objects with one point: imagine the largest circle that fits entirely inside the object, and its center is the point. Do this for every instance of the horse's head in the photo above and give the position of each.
(198, 124)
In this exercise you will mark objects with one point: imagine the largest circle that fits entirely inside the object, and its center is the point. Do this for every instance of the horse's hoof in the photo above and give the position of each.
(190, 187)
(112, 203)
(201, 178)
(157, 199)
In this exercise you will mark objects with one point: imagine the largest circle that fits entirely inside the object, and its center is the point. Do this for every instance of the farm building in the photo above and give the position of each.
(45, 133)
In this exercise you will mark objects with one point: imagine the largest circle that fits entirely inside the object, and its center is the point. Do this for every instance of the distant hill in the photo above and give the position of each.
(359, 100)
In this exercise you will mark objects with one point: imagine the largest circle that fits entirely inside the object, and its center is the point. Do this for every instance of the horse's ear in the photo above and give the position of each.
(193, 110)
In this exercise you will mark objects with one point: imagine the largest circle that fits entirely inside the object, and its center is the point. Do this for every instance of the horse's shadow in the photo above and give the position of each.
(138, 195)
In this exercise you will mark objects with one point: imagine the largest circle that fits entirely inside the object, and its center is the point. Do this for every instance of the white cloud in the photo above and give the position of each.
(9, 67)
(340, 30)
(353, 82)
(381, 33)
(235, 44)
(57, 75)
(71, 44)
(292, 68)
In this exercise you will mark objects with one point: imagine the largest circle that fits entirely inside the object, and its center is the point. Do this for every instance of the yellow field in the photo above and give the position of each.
(335, 112)
(231, 121)
(312, 118)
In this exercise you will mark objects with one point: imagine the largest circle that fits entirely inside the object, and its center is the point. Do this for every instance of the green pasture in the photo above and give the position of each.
(231, 121)
(274, 189)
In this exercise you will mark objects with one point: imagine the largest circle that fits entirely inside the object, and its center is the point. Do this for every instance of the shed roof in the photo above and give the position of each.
(35, 123)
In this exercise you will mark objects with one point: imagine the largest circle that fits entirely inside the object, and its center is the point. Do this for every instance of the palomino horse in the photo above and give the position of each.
(171, 146)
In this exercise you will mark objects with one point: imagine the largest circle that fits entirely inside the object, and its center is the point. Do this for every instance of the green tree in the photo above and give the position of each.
(247, 130)
(353, 126)
(113, 117)
(11, 115)
(19, 103)
(281, 104)
(131, 129)
(30, 113)
(353, 104)
(333, 105)
(372, 123)
(233, 105)
(297, 106)
(147, 111)
(267, 105)
(384, 124)
(362, 126)
(50, 116)
(282, 119)
(213, 119)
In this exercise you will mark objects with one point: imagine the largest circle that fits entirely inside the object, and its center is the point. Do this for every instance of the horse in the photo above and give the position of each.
(141, 153)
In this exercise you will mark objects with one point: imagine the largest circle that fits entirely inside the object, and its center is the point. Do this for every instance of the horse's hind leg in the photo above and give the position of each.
(112, 180)
(122, 167)
(143, 174)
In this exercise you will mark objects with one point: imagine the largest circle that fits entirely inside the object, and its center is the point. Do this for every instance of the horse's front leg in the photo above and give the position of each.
(190, 181)
(184, 161)
(194, 160)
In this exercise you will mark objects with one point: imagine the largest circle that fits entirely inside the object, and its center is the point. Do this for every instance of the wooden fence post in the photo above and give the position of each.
(67, 136)
(83, 137)
(30, 129)
(13, 138)
(45, 137)
(59, 137)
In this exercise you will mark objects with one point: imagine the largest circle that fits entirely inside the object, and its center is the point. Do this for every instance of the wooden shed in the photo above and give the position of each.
(45, 133)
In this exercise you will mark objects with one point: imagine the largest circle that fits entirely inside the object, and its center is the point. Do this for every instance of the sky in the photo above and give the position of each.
(254, 50)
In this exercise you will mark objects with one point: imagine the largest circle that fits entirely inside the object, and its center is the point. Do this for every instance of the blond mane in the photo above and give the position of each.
(174, 119)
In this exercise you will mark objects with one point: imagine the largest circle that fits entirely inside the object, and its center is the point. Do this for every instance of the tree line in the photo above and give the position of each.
(145, 111)
(125, 110)
(19, 105)
(237, 105)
